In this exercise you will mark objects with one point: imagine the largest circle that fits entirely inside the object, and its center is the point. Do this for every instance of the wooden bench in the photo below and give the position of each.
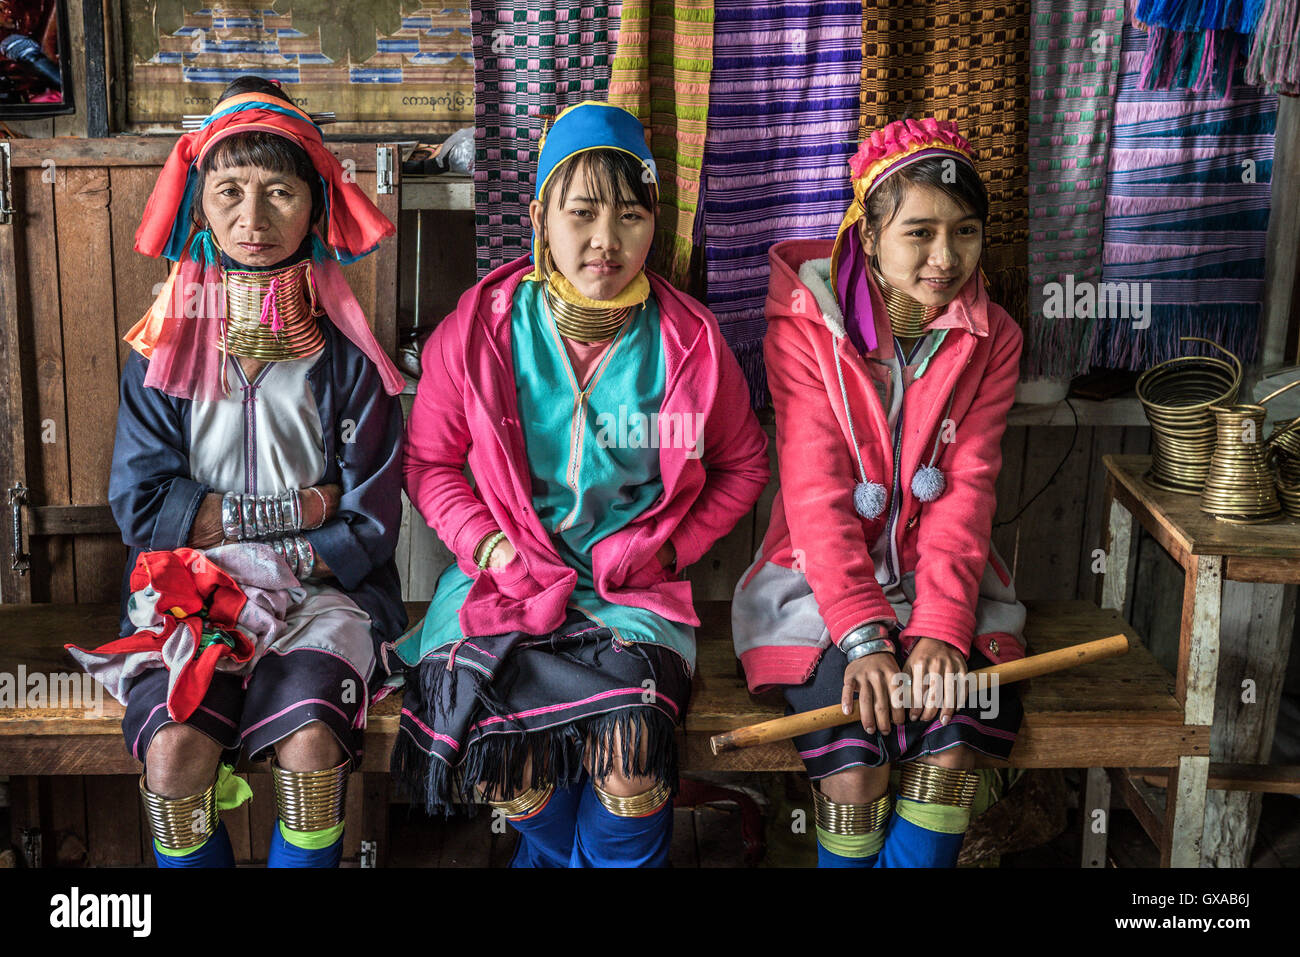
(1116, 713)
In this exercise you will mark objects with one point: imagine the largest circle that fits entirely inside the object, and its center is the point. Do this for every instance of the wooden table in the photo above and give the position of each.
(1210, 553)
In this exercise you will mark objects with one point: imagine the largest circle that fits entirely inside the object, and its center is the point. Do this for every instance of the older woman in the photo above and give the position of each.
(256, 477)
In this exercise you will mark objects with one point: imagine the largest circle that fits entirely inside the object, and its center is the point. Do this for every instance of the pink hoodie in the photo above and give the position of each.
(816, 540)
(466, 411)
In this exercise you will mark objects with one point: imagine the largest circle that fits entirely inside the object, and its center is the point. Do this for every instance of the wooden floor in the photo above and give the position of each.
(711, 837)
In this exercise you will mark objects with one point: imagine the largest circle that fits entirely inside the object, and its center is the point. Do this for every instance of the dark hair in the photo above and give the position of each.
(257, 148)
(610, 175)
(967, 190)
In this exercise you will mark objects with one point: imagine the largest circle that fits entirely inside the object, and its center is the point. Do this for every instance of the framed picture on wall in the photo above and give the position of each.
(35, 74)
(383, 67)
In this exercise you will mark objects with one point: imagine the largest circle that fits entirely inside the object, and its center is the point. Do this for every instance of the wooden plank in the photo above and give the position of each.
(112, 151)
(14, 587)
(468, 842)
(1256, 624)
(67, 838)
(70, 520)
(1046, 566)
(90, 358)
(1223, 776)
(1096, 517)
(1198, 657)
(683, 851)
(1185, 813)
(1119, 544)
(74, 124)
(53, 572)
(114, 836)
(24, 808)
(1008, 489)
(1109, 413)
(1096, 797)
(136, 278)
(1142, 801)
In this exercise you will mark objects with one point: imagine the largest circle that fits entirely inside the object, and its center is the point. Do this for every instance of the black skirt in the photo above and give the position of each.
(473, 713)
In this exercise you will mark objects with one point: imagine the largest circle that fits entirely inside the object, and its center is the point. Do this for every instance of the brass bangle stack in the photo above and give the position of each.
(930, 784)
(310, 800)
(850, 819)
(638, 805)
(1177, 397)
(527, 802)
(180, 823)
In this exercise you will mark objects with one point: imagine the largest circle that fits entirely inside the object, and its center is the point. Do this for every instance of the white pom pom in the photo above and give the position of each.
(869, 499)
(928, 483)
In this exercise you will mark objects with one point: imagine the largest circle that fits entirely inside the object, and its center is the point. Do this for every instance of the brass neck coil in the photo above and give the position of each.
(271, 314)
(908, 318)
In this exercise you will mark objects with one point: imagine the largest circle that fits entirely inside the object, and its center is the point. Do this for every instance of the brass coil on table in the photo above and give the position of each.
(1177, 396)
(1239, 487)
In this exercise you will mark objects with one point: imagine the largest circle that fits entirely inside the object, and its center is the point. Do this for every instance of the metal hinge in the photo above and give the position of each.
(384, 159)
(17, 499)
(369, 853)
(6, 186)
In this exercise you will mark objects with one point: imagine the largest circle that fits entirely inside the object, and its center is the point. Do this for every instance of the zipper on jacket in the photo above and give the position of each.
(891, 554)
(576, 436)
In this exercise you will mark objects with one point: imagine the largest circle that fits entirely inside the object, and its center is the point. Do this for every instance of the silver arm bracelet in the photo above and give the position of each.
(864, 648)
(874, 634)
(231, 525)
(306, 557)
(248, 516)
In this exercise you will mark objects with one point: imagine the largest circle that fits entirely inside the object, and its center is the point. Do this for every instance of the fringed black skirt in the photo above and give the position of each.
(474, 713)
(989, 727)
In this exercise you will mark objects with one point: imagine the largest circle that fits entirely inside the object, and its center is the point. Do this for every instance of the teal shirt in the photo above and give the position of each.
(593, 458)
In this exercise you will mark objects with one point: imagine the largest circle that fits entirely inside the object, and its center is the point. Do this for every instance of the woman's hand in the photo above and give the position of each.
(938, 671)
(871, 676)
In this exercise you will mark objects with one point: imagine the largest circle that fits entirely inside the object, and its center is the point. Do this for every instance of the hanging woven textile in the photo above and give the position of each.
(532, 58)
(1074, 75)
(660, 75)
(965, 61)
(1275, 48)
(1187, 203)
(783, 122)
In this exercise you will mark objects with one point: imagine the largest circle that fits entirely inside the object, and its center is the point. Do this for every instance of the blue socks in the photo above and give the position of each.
(924, 835)
(214, 852)
(546, 836)
(605, 839)
(287, 854)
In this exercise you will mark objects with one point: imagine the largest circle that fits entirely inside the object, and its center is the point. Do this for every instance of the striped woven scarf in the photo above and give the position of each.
(783, 117)
(532, 58)
(661, 75)
(1187, 203)
(1074, 74)
(966, 61)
